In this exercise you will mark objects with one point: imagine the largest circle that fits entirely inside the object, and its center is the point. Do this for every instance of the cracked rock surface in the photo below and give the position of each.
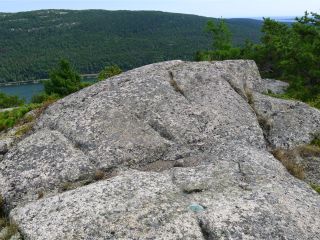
(190, 155)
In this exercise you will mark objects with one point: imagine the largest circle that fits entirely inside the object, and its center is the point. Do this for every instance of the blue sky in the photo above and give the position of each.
(211, 8)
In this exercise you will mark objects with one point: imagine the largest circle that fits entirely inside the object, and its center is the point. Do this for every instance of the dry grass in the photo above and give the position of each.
(309, 151)
(40, 194)
(12, 230)
(249, 96)
(175, 85)
(265, 122)
(66, 186)
(288, 159)
(99, 175)
(24, 129)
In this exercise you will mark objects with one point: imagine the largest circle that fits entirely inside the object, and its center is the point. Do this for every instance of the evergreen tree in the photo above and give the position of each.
(221, 35)
(64, 80)
(221, 43)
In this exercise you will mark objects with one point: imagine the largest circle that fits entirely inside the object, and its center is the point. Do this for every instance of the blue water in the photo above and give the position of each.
(25, 91)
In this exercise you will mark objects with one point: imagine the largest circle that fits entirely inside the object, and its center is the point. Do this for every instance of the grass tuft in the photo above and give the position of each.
(316, 187)
(309, 151)
(249, 96)
(287, 158)
(175, 85)
(66, 186)
(99, 175)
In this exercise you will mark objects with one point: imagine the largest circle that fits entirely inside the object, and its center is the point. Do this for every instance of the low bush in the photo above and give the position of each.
(43, 97)
(8, 101)
(109, 71)
(8, 119)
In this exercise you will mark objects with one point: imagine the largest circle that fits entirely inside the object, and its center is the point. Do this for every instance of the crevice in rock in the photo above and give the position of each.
(244, 183)
(161, 130)
(194, 190)
(264, 122)
(176, 86)
(98, 175)
(160, 166)
(204, 230)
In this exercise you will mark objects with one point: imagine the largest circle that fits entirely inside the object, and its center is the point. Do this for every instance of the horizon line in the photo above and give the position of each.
(101, 9)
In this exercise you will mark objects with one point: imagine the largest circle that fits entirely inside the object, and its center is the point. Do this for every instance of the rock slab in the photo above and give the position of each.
(183, 155)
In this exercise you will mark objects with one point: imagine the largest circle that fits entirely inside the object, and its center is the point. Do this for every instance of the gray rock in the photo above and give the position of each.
(290, 123)
(275, 86)
(133, 120)
(146, 205)
(186, 155)
(39, 164)
(3, 148)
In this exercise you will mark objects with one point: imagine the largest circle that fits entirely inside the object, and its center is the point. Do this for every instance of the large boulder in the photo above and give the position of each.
(181, 152)
(289, 123)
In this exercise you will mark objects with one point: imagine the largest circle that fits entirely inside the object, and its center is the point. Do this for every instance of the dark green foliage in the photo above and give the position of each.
(32, 42)
(286, 52)
(109, 71)
(221, 48)
(221, 35)
(7, 101)
(291, 53)
(64, 80)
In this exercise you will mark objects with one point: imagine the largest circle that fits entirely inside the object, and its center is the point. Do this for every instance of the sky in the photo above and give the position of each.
(210, 8)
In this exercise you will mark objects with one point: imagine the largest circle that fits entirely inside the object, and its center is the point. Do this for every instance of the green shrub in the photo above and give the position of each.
(63, 81)
(8, 119)
(8, 101)
(43, 97)
(109, 71)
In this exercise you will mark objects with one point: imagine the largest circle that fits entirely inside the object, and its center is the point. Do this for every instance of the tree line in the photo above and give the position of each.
(289, 52)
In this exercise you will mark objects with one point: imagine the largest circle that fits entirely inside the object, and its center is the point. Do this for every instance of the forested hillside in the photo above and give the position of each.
(31, 43)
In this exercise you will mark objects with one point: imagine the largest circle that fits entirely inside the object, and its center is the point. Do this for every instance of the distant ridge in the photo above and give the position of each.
(32, 42)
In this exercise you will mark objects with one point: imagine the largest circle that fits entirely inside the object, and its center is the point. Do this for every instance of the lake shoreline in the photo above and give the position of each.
(5, 84)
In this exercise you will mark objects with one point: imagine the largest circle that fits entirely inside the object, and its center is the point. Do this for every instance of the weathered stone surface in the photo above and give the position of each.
(137, 205)
(291, 123)
(191, 160)
(275, 86)
(39, 164)
(136, 119)
(3, 148)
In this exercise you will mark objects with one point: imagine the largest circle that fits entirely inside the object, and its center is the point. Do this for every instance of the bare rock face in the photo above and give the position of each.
(180, 152)
(275, 86)
(288, 123)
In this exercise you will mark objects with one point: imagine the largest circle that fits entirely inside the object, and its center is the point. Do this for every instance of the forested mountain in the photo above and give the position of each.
(31, 43)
